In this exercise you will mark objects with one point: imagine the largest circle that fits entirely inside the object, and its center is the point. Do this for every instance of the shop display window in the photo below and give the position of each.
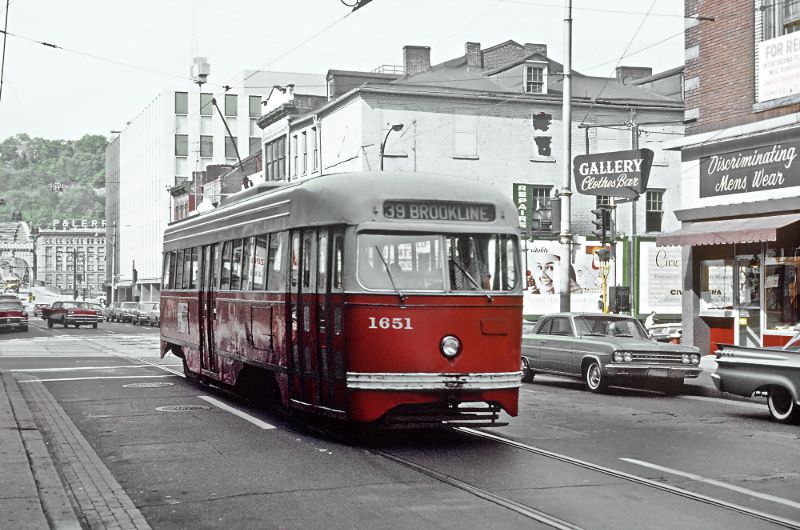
(780, 292)
(749, 292)
(716, 284)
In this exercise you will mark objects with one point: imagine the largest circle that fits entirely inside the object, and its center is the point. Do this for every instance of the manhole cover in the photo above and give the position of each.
(181, 408)
(154, 384)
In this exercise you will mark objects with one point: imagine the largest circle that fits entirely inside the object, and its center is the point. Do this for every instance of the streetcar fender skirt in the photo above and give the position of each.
(371, 405)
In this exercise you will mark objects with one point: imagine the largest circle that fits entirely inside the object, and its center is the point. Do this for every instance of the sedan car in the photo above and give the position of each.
(666, 332)
(763, 371)
(13, 315)
(124, 312)
(73, 313)
(37, 309)
(143, 311)
(603, 349)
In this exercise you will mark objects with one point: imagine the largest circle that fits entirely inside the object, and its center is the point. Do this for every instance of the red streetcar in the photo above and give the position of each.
(370, 297)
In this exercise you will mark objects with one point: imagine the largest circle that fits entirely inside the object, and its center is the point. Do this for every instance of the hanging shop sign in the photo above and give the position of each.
(767, 167)
(615, 174)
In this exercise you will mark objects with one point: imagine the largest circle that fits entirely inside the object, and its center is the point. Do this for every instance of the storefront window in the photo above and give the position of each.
(780, 291)
(749, 281)
(716, 284)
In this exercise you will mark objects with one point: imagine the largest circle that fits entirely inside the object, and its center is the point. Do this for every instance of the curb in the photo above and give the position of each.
(53, 497)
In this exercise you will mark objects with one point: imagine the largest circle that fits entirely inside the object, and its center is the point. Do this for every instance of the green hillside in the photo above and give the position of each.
(29, 167)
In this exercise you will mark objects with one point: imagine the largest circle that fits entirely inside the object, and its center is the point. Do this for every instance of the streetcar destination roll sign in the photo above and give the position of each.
(614, 174)
(439, 211)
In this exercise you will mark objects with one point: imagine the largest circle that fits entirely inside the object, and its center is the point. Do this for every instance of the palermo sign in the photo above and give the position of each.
(615, 174)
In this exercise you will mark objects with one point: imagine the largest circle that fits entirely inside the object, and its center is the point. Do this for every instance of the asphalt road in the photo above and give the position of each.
(571, 459)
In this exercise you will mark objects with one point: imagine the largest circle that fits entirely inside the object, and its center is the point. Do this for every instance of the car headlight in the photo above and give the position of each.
(694, 358)
(618, 357)
(628, 357)
(450, 346)
(685, 358)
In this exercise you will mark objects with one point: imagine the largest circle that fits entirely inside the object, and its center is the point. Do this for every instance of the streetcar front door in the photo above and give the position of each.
(303, 316)
(208, 311)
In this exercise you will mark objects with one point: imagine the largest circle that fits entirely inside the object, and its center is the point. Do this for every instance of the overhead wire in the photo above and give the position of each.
(5, 42)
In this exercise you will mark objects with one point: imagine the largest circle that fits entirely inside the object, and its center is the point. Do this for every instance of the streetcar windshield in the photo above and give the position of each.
(437, 262)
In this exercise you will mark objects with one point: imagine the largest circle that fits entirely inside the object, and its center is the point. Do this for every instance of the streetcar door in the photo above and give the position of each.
(304, 316)
(208, 357)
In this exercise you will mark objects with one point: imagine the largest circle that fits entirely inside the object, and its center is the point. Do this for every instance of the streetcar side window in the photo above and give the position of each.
(308, 239)
(275, 261)
(236, 265)
(322, 260)
(193, 268)
(338, 264)
(166, 275)
(247, 263)
(215, 268)
(295, 259)
(178, 269)
(173, 265)
(225, 282)
(260, 263)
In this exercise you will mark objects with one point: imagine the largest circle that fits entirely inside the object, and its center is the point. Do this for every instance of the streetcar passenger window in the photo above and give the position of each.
(187, 268)
(295, 259)
(166, 275)
(275, 280)
(215, 269)
(247, 263)
(236, 265)
(307, 261)
(178, 269)
(338, 266)
(225, 282)
(322, 260)
(260, 263)
(173, 264)
(194, 266)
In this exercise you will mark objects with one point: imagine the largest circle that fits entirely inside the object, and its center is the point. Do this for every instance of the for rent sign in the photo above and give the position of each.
(615, 174)
(763, 168)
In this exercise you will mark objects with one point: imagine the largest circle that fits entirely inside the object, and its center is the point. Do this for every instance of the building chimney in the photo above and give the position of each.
(416, 59)
(541, 49)
(473, 54)
(626, 74)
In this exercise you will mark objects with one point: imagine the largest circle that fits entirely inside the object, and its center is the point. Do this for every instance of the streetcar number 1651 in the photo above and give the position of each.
(389, 323)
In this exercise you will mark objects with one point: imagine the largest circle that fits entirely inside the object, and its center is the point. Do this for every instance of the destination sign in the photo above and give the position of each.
(439, 211)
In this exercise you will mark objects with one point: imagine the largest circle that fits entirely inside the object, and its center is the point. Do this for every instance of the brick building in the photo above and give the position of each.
(740, 178)
(492, 114)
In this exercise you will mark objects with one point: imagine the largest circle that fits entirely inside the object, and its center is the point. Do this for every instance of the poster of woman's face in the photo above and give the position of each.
(544, 274)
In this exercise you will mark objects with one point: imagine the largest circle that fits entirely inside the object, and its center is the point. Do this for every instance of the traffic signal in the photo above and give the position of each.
(603, 255)
(602, 223)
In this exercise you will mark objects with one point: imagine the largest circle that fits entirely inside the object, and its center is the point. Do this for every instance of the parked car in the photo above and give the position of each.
(13, 315)
(37, 309)
(603, 349)
(774, 372)
(124, 312)
(666, 332)
(108, 311)
(75, 313)
(147, 313)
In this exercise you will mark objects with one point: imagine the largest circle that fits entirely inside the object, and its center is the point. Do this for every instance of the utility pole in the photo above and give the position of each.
(113, 262)
(632, 242)
(566, 176)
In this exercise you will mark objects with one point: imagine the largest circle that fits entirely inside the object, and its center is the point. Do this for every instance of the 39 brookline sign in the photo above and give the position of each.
(614, 174)
(766, 167)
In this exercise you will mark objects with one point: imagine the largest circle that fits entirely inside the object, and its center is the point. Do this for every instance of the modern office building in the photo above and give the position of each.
(71, 256)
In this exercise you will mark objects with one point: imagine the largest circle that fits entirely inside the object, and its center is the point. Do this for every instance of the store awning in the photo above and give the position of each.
(728, 231)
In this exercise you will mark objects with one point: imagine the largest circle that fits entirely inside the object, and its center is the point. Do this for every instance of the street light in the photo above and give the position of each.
(395, 127)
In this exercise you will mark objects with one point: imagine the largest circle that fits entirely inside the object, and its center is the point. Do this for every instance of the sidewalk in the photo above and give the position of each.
(32, 496)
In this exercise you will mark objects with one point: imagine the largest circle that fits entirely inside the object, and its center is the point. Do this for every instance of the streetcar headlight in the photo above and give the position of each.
(450, 346)
(685, 358)
(618, 357)
(695, 358)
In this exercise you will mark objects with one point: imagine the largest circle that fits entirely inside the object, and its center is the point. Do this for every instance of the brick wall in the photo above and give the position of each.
(724, 66)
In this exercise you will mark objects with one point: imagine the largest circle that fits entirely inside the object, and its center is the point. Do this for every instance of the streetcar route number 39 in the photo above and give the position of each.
(389, 323)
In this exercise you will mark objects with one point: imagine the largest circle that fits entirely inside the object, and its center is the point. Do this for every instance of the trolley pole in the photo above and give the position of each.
(566, 175)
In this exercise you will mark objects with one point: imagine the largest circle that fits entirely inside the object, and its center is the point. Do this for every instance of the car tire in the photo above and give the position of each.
(593, 378)
(24, 328)
(49, 323)
(782, 406)
(94, 325)
(527, 372)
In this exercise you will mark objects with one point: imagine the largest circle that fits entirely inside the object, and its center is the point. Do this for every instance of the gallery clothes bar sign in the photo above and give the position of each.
(762, 168)
(438, 211)
(614, 174)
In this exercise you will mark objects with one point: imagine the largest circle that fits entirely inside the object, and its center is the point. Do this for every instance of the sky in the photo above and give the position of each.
(115, 56)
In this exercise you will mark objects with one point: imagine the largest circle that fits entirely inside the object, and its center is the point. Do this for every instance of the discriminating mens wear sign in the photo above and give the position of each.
(616, 174)
(763, 168)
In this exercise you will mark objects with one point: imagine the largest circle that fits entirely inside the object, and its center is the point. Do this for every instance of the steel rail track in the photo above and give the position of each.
(758, 514)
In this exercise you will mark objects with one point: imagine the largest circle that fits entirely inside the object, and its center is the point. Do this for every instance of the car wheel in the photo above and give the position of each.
(593, 377)
(24, 328)
(94, 325)
(781, 405)
(49, 323)
(527, 372)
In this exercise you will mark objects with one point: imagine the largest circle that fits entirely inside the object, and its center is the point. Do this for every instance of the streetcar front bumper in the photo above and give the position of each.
(433, 382)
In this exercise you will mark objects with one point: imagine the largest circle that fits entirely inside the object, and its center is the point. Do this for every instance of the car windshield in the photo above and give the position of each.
(437, 262)
(10, 306)
(609, 326)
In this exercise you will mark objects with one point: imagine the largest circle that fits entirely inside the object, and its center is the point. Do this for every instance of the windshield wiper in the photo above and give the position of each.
(595, 335)
(391, 278)
(472, 280)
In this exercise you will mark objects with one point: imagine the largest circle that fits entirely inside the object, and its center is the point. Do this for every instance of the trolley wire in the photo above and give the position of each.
(5, 42)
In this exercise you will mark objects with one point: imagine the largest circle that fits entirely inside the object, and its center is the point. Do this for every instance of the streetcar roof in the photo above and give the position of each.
(341, 198)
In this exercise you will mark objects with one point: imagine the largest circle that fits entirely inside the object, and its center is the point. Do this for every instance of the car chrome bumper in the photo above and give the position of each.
(653, 371)
(428, 381)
